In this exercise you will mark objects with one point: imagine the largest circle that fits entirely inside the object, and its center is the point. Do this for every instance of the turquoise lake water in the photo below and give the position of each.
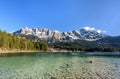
(59, 66)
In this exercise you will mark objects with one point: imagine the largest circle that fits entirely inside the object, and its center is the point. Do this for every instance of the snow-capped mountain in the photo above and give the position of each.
(85, 33)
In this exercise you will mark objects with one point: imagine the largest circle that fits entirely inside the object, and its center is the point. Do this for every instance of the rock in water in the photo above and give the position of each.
(92, 61)
(53, 78)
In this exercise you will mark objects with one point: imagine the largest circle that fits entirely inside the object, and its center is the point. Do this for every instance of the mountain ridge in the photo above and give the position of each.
(86, 33)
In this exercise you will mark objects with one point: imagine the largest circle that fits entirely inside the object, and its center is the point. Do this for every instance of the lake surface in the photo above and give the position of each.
(59, 66)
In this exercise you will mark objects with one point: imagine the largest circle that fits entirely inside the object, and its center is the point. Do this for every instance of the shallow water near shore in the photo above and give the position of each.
(59, 66)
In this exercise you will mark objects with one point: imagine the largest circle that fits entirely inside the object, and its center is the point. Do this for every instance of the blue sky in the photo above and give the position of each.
(62, 15)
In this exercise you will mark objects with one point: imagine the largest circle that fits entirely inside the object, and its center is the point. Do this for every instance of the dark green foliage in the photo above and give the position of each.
(40, 46)
(8, 41)
(110, 44)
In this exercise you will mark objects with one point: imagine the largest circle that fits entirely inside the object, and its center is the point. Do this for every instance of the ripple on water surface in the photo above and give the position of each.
(59, 66)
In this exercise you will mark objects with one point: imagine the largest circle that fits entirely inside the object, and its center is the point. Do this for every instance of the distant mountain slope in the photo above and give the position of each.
(110, 41)
(88, 34)
(108, 44)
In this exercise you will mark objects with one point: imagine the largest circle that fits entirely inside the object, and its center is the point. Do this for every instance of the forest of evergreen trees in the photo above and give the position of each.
(90, 46)
(9, 42)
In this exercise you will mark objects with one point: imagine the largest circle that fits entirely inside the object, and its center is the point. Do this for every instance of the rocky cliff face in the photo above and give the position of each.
(54, 35)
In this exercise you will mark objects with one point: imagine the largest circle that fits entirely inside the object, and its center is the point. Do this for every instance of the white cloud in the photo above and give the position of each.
(91, 29)
(99, 31)
(88, 28)
(104, 31)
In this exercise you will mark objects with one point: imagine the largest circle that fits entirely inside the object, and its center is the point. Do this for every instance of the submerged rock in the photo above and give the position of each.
(53, 78)
(92, 61)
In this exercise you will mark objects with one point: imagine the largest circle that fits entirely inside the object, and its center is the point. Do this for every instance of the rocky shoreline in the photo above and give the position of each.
(15, 51)
(30, 51)
(55, 51)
